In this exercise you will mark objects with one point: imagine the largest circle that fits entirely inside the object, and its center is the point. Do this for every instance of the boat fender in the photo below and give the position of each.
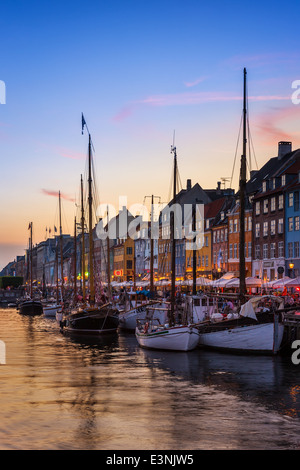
(146, 327)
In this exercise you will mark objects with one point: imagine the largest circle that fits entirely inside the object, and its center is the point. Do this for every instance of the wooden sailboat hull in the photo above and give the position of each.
(177, 338)
(260, 338)
(91, 322)
(31, 307)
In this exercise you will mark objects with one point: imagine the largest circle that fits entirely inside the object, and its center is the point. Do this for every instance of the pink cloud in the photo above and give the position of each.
(195, 82)
(67, 153)
(191, 98)
(273, 124)
(48, 192)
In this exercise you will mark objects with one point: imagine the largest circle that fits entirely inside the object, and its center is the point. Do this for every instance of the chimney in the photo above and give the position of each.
(189, 185)
(219, 187)
(283, 149)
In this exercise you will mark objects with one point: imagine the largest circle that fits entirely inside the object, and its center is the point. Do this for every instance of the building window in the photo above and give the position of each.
(290, 250)
(129, 264)
(249, 249)
(296, 200)
(265, 251)
(290, 224)
(273, 227)
(257, 251)
(264, 186)
(296, 249)
(230, 226)
(230, 250)
(249, 224)
(206, 260)
(257, 208)
(283, 180)
(235, 225)
(291, 199)
(274, 183)
(280, 250)
(129, 250)
(272, 250)
(280, 201)
(280, 225)
(235, 250)
(265, 231)
(273, 204)
(265, 206)
(297, 222)
(257, 230)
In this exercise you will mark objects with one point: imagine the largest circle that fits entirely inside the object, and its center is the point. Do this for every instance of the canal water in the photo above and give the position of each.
(109, 394)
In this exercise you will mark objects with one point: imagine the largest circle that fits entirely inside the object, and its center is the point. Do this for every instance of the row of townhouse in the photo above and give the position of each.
(272, 234)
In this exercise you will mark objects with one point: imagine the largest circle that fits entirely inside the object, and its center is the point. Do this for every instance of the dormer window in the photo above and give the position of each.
(283, 180)
(264, 186)
(274, 183)
(222, 215)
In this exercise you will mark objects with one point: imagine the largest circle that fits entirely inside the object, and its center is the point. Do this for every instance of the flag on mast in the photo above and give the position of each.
(83, 123)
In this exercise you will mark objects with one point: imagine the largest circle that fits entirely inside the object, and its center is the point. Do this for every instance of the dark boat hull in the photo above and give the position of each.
(31, 307)
(91, 322)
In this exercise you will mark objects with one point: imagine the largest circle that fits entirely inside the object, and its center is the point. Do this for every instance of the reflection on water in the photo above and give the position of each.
(60, 392)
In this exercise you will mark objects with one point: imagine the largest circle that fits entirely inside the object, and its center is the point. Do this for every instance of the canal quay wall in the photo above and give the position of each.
(9, 296)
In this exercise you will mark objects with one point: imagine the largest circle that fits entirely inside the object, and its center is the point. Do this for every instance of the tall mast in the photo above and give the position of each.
(61, 250)
(194, 250)
(56, 269)
(242, 199)
(82, 243)
(31, 280)
(151, 251)
(172, 217)
(75, 260)
(108, 256)
(91, 244)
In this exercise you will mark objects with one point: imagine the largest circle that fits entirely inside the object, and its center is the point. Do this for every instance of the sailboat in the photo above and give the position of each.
(30, 306)
(174, 335)
(131, 314)
(90, 319)
(52, 309)
(258, 328)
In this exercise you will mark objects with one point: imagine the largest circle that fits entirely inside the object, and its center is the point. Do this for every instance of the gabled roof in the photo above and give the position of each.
(272, 168)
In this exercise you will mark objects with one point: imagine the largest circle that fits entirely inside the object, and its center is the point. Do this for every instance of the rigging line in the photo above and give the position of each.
(251, 142)
(236, 151)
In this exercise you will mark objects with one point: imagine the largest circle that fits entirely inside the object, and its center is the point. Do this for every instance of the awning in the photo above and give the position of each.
(293, 282)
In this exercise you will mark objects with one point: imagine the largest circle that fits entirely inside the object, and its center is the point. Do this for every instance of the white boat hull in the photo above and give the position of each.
(50, 310)
(260, 338)
(177, 338)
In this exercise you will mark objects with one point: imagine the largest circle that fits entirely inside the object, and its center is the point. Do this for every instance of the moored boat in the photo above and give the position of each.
(31, 307)
(251, 332)
(179, 334)
(91, 321)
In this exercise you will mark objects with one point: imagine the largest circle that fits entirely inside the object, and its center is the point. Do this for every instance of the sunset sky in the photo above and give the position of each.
(138, 71)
